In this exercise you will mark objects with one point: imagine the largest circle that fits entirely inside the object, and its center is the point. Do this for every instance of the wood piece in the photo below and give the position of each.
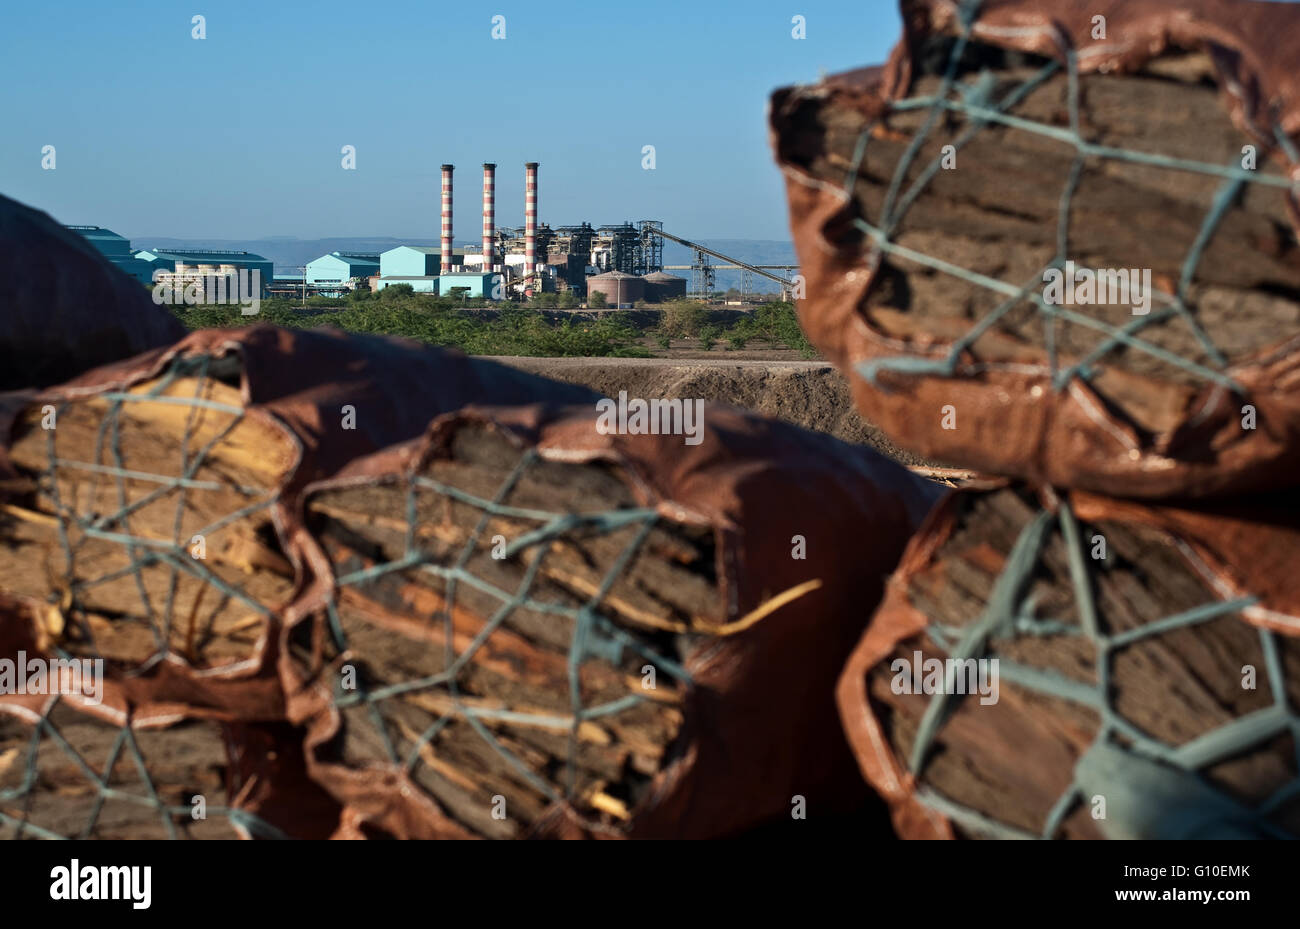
(175, 609)
(996, 213)
(1173, 687)
(396, 627)
(183, 761)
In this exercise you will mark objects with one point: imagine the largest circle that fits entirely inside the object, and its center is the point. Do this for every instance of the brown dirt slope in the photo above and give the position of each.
(811, 394)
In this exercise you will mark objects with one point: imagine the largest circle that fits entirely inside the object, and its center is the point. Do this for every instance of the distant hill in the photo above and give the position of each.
(289, 254)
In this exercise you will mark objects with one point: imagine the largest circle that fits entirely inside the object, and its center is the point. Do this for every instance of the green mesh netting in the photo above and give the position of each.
(125, 777)
(594, 634)
(115, 527)
(1134, 778)
(78, 527)
(1150, 787)
(975, 102)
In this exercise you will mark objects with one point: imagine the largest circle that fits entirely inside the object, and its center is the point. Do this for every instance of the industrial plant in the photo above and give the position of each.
(175, 267)
(621, 261)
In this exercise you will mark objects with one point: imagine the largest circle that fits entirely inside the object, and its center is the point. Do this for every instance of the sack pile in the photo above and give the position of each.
(311, 584)
(1056, 242)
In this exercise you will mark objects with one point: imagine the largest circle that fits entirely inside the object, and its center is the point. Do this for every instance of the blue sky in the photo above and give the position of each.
(239, 135)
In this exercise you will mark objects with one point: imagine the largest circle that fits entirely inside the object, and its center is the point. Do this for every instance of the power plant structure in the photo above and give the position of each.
(489, 217)
(530, 219)
(446, 249)
(623, 261)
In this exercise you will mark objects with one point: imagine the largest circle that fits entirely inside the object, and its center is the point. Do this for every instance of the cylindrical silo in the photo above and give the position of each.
(661, 286)
(620, 289)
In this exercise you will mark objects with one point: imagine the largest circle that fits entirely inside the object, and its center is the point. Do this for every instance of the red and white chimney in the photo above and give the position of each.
(489, 216)
(446, 218)
(530, 217)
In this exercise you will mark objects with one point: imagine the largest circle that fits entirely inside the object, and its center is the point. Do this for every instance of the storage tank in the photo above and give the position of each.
(661, 286)
(620, 289)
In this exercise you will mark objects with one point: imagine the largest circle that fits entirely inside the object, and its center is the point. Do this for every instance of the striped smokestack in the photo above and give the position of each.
(446, 218)
(530, 217)
(489, 216)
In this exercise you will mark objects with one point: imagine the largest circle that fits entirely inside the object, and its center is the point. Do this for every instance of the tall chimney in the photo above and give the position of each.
(530, 217)
(446, 218)
(489, 216)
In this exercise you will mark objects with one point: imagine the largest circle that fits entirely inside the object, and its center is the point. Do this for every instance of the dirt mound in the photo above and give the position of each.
(811, 394)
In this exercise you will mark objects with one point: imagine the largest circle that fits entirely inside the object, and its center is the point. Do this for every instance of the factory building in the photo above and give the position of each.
(410, 261)
(117, 249)
(624, 260)
(421, 284)
(468, 284)
(184, 266)
(474, 285)
(145, 267)
(545, 277)
(534, 258)
(428, 270)
(112, 246)
(571, 269)
(515, 263)
(338, 271)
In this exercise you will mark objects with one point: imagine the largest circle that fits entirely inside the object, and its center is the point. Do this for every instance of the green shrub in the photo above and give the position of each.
(683, 319)
(440, 320)
(709, 336)
(395, 293)
(776, 324)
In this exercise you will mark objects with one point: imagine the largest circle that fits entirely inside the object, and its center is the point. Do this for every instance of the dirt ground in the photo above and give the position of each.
(779, 384)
